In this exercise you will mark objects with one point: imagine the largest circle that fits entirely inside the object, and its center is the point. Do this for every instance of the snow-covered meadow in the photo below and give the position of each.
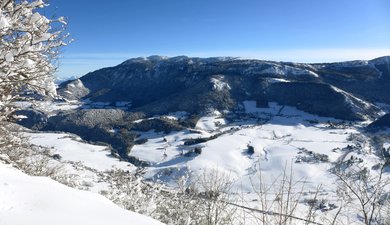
(271, 143)
(278, 136)
(267, 144)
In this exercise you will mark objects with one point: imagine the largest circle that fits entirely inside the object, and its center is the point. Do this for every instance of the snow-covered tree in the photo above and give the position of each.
(29, 47)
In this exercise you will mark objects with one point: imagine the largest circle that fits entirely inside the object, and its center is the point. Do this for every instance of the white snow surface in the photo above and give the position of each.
(70, 148)
(288, 70)
(49, 107)
(27, 200)
(3, 22)
(219, 84)
(210, 122)
(277, 142)
(274, 70)
(177, 115)
(277, 134)
(276, 80)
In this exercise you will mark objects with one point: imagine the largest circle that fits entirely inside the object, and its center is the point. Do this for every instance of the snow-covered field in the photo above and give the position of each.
(284, 136)
(272, 141)
(70, 148)
(50, 107)
(268, 140)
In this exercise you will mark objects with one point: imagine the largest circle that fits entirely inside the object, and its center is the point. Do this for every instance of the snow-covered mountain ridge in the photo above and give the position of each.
(156, 85)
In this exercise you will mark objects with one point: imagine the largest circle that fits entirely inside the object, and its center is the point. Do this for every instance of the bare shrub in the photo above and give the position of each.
(283, 200)
(128, 191)
(181, 205)
(214, 199)
(366, 193)
(200, 201)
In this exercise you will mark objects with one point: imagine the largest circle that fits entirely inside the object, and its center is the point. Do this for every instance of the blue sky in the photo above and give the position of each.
(109, 32)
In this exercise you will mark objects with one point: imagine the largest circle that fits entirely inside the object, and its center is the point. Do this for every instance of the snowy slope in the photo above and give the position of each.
(284, 136)
(70, 148)
(279, 135)
(283, 139)
(27, 200)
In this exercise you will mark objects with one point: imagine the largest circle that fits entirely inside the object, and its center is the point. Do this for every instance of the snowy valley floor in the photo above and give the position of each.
(271, 145)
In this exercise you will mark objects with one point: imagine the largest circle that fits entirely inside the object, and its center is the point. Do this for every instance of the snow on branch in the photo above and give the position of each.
(29, 48)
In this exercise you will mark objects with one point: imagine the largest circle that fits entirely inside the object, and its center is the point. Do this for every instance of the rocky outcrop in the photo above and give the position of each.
(73, 89)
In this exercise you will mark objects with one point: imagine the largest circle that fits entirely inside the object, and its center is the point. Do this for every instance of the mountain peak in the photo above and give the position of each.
(381, 60)
(180, 58)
